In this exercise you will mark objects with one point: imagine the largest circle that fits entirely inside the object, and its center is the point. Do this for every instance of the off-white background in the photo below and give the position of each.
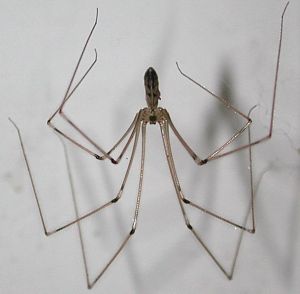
(230, 46)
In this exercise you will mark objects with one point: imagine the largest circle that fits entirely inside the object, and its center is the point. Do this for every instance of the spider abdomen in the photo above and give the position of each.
(151, 88)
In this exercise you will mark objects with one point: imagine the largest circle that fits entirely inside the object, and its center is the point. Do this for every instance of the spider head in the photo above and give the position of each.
(151, 88)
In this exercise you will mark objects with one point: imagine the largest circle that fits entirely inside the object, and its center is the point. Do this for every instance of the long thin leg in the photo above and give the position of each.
(250, 230)
(119, 194)
(216, 154)
(168, 152)
(230, 107)
(189, 202)
(269, 135)
(136, 211)
(116, 161)
(71, 92)
(184, 143)
(66, 97)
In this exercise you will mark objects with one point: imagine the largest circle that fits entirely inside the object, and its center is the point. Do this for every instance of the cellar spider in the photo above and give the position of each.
(153, 114)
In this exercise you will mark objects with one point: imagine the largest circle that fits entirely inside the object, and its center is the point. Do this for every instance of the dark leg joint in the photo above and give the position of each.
(98, 157)
(186, 201)
(114, 161)
(204, 161)
(115, 200)
(132, 231)
(189, 226)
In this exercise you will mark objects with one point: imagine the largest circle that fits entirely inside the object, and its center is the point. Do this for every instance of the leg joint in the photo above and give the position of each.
(189, 226)
(204, 161)
(115, 199)
(114, 161)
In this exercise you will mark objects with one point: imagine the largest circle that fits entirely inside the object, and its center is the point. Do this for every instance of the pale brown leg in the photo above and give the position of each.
(270, 132)
(68, 94)
(136, 212)
(216, 154)
(242, 227)
(68, 91)
(91, 284)
(189, 202)
(229, 141)
(167, 147)
(115, 146)
(119, 194)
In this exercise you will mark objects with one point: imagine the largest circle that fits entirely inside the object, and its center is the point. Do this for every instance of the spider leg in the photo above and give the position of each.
(67, 96)
(189, 202)
(115, 161)
(169, 156)
(230, 140)
(136, 211)
(242, 227)
(216, 154)
(114, 200)
(270, 132)
(195, 157)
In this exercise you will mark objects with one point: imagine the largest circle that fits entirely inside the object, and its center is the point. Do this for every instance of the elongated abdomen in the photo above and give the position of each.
(151, 88)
